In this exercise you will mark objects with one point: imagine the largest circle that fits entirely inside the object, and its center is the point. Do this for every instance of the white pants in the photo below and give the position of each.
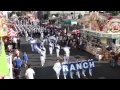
(57, 52)
(32, 46)
(78, 74)
(71, 74)
(53, 46)
(42, 36)
(26, 38)
(83, 73)
(90, 71)
(46, 42)
(58, 74)
(51, 50)
(64, 76)
(68, 55)
(45, 55)
(42, 58)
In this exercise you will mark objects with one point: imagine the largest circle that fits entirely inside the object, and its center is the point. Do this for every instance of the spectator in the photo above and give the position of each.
(17, 67)
(29, 74)
(25, 59)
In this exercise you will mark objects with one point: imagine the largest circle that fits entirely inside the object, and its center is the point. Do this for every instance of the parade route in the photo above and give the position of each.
(101, 71)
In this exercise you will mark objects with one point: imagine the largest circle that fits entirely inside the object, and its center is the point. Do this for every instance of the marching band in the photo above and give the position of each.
(35, 34)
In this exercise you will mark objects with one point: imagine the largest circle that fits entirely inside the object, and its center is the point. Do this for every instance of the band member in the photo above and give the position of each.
(65, 58)
(57, 50)
(45, 40)
(64, 73)
(32, 42)
(83, 73)
(78, 72)
(26, 35)
(71, 74)
(51, 45)
(57, 68)
(90, 71)
(44, 51)
(37, 48)
(42, 58)
(42, 35)
(67, 51)
(42, 43)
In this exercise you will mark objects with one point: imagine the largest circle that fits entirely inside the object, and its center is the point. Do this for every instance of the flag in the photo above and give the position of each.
(4, 70)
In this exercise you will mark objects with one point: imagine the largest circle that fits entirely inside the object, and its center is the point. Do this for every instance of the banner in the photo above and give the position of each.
(80, 65)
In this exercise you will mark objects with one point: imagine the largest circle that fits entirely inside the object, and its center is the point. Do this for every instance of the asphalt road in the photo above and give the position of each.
(101, 71)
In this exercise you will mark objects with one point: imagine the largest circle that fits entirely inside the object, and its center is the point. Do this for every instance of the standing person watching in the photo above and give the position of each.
(29, 74)
(17, 67)
(25, 59)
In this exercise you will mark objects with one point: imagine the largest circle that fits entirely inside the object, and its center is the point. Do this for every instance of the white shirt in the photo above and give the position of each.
(33, 41)
(43, 52)
(57, 47)
(42, 43)
(51, 45)
(29, 73)
(57, 67)
(66, 49)
(26, 33)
